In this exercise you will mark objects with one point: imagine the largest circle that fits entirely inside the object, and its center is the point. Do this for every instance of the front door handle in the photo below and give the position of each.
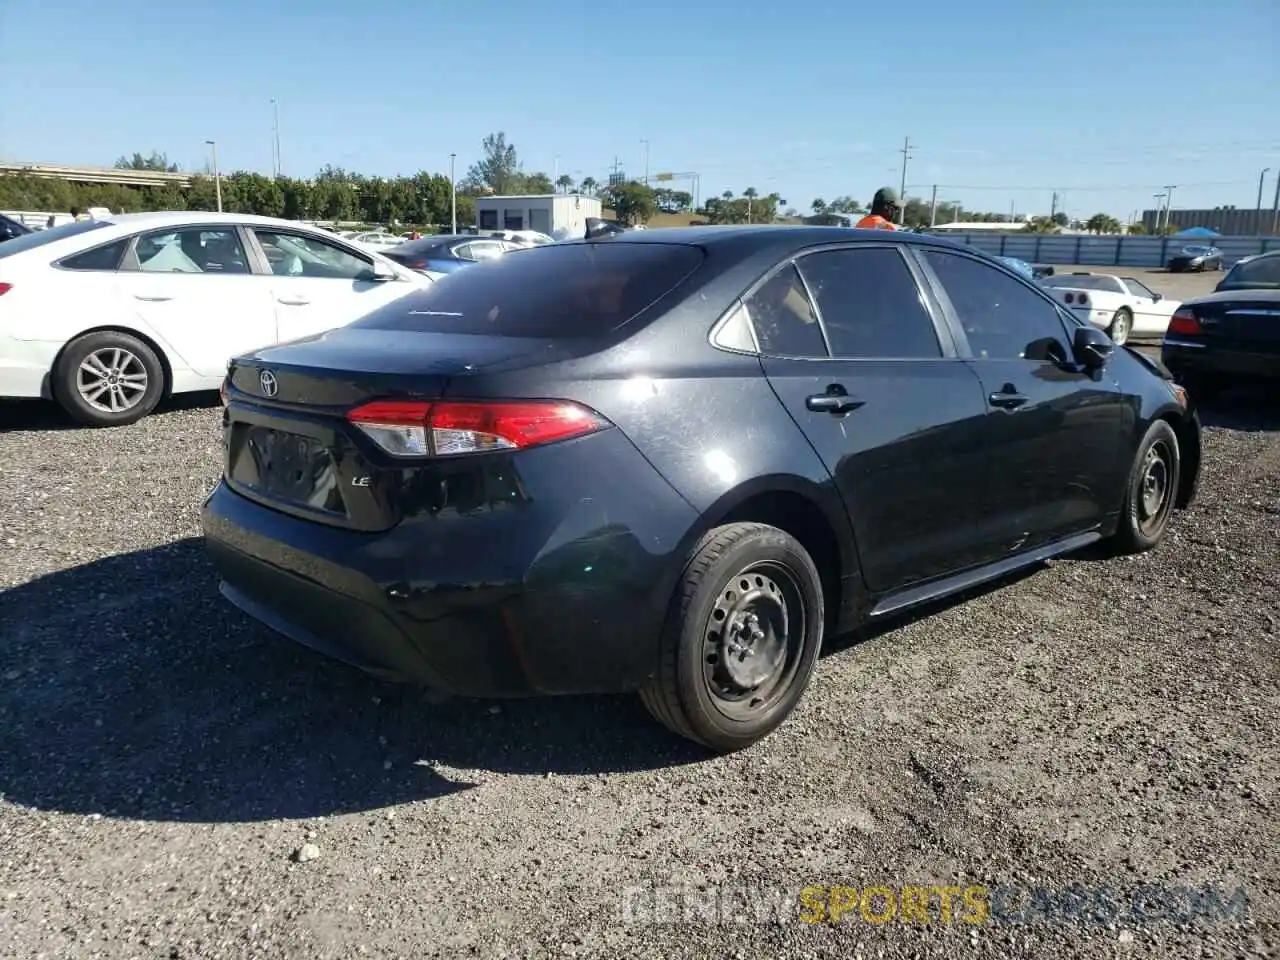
(150, 299)
(1008, 400)
(832, 403)
(293, 301)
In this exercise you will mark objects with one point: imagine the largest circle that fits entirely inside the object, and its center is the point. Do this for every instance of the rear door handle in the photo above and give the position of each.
(1008, 401)
(293, 301)
(832, 403)
(150, 299)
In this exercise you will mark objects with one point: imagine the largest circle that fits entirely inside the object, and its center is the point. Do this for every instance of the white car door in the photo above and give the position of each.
(1151, 314)
(318, 285)
(194, 287)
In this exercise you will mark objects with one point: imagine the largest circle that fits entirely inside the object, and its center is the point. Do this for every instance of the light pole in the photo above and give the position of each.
(1158, 197)
(217, 177)
(1275, 208)
(453, 195)
(275, 134)
(645, 144)
(1168, 203)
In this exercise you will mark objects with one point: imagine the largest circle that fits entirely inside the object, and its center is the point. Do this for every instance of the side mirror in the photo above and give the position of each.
(381, 272)
(1092, 347)
(1157, 297)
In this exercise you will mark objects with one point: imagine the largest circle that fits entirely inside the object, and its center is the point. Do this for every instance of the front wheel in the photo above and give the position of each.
(741, 639)
(1121, 324)
(1151, 492)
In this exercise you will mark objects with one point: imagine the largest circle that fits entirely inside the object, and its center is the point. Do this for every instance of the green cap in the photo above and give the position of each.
(885, 195)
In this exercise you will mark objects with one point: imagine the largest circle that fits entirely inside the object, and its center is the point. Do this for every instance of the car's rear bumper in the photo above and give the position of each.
(565, 593)
(1191, 359)
(25, 366)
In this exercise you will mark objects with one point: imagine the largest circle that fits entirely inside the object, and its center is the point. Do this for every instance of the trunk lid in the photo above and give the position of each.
(1242, 319)
(289, 446)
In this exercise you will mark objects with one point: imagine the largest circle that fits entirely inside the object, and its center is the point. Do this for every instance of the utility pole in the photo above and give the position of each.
(1158, 197)
(217, 177)
(1261, 179)
(1168, 202)
(906, 155)
(453, 196)
(1275, 208)
(275, 135)
(645, 144)
(933, 207)
(1053, 207)
(1012, 207)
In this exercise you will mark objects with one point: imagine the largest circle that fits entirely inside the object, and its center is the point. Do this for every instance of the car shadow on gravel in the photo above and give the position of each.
(130, 688)
(37, 416)
(1251, 409)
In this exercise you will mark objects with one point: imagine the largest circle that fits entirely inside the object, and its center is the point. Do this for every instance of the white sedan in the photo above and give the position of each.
(107, 316)
(1120, 305)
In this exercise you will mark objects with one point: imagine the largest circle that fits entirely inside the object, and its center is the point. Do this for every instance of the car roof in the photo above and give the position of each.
(176, 218)
(762, 236)
(1271, 296)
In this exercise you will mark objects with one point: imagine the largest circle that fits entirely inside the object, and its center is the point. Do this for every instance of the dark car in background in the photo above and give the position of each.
(11, 229)
(1261, 272)
(444, 253)
(1228, 338)
(1196, 258)
(670, 461)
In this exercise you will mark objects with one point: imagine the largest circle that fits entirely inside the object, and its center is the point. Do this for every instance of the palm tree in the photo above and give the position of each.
(819, 206)
(589, 186)
(565, 183)
(750, 193)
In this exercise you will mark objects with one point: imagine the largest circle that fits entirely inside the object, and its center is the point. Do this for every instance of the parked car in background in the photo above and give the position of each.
(11, 229)
(1259, 272)
(1120, 305)
(442, 254)
(377, 240)
(1019, 266)
(107, 316)
(525, 238)
(1228, 338)
(1196, 258)
(672, 460)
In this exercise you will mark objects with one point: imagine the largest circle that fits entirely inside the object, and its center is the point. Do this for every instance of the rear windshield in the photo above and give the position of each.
(549, 292)
(1083, 283)
(29, 241)
(1197, 251)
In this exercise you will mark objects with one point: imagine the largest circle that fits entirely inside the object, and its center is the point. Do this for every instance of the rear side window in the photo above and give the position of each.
(871, 305)
(106, 257)
(783, 317)
(1263, 270)
(552, 292)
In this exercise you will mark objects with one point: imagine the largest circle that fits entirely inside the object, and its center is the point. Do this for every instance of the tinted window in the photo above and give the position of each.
(193, 250)
(99, 258)
(296, 255)
(38, 238)
(570, 290)
(488, 219)
(1138, 289)
(870, 304)
(487, 250)
(1002, 318)
(783, 318)
(1262, 270)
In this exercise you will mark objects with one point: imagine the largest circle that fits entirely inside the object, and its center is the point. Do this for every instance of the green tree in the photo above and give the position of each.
(672, 201)
(156, 161)
(535, 183)
(498, 169)
(589, 186)
(845, 204)
(1060, 219)
(564, 183)
(632, 202)
(1136, 229)
(819, 206)
(1102, 223)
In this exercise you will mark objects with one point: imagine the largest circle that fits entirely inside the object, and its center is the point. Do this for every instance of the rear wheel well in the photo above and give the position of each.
(1189, 456)
(108, 328)
(805, 521)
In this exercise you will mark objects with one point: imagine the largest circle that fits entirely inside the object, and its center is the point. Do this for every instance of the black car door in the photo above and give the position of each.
(1054, 429)
(855, 350)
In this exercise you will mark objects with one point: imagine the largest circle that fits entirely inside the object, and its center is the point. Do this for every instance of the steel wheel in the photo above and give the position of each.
(112, 379)
(1155, 483)
(754, 640)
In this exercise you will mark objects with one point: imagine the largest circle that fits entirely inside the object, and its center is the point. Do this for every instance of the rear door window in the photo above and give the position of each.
(551, 292)
(783, 317)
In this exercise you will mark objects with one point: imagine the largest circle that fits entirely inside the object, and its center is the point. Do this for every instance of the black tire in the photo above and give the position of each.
(1121, 325)
(1151, 491)
(136, 365)
(702, 690)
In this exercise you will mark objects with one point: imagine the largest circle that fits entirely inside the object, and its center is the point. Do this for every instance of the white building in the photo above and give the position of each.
(559, 214)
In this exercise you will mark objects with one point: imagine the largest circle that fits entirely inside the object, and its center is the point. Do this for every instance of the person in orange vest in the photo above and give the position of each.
(885, 211)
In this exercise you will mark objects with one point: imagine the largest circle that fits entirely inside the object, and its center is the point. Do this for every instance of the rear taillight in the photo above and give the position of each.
(1069, 297)
(5, 288)
(1082, 300)
(412, 428)
(222, 392)
(1184, 321)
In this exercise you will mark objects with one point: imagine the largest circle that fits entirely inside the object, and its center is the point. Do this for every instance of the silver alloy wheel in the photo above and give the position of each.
(112, 380)
(1120, 327)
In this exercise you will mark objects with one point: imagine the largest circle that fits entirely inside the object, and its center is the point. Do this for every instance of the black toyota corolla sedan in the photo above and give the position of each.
(669, 461)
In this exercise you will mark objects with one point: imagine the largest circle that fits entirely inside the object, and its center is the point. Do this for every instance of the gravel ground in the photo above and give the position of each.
(164, 761)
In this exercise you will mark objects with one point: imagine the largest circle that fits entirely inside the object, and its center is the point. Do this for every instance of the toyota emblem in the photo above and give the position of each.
(267, 380)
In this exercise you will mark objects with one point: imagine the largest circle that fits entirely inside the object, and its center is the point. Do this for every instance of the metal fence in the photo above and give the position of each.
(1107, 251)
